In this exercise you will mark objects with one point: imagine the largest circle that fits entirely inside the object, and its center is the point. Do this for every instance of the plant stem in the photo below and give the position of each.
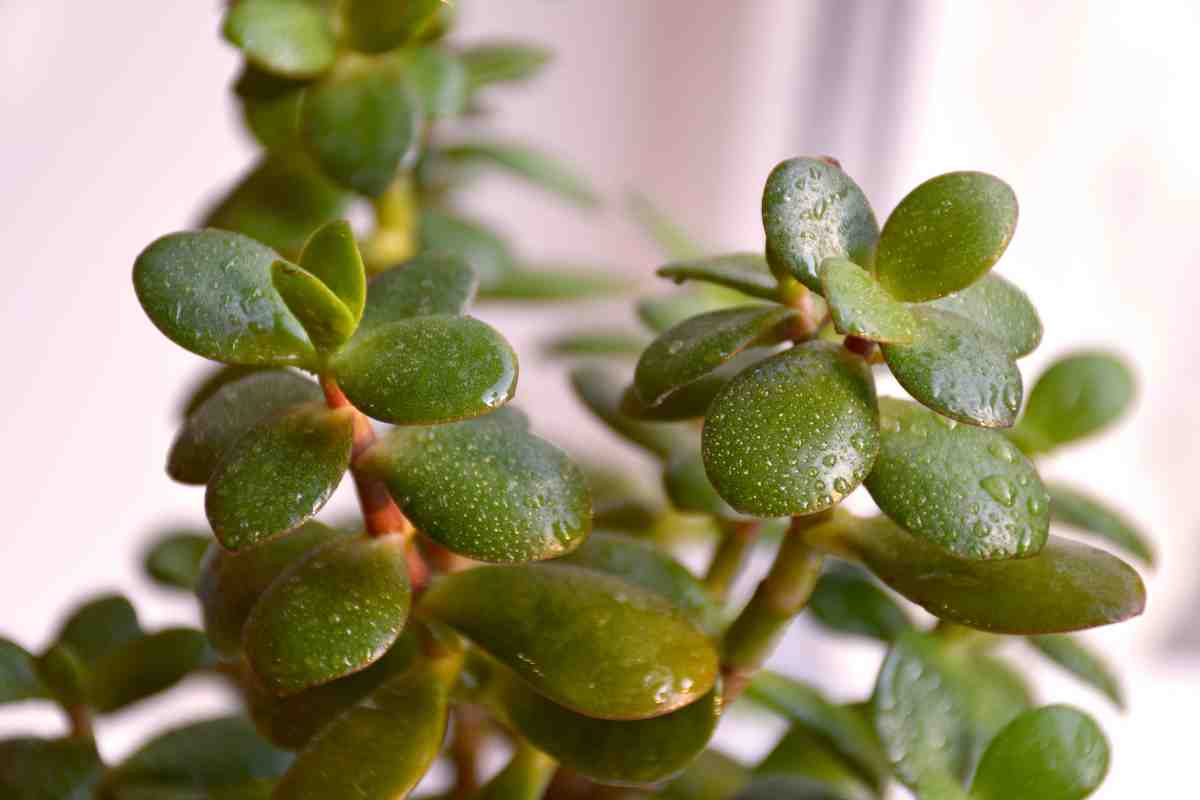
(80, 717)
(860, 347)
(464, 748)
(730, 556)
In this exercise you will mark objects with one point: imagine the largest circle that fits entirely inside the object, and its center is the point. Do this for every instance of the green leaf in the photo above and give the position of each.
(643, 564)
(600, 390)
(1082, 662)
(805, 754)
(331, 255)
(940, 786)
(210, 292)
(667, 234)
(174, 560)
(99, 626)
(599, 342)
(231, 583)
(326, 320)
(548, 283)
(860, 307)
(747, 273)
(333, 613)
(278, 475)
(965, 489)
(483, 249)
(48, 769)
(503, 62)
(787, 787)
(1077, 396)
(144, 667)
(525, 777)
(538, 168)
(18, 675)
(1067, 586)
(697, 346)
(425, 285)
(995, 693)
(64, 675)
(1078, 509)
(397, 730)
(712, 776)
(1001, 309)
(1050, 753)
(846, 600)
(486, 488)
(228, 414)
(667, 311)
(362, 124)
(793, 434)
(425, 370)
(958, 369)
(688, 487)
(651, 660)
(271, 111)
(286, 37)
(945, 235)
(279, 202)
(849, 733)
(439, 81)
(813, 211)
(692, 400)
(373, 26)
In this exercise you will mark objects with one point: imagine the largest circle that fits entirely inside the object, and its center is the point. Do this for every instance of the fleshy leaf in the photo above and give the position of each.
(966, 489)
(1077, 396)
(688, 487)
(503, 62)
(666, 311)
(373, 26)
(49, 769)
(1078, 509)
(712, 776)
(144, 666)
(600, 390)
(326, 320)
(294, 39)
(945, 235)
(487, 253)
(331, 254)
(958, 369)
(439, 81)
(64, 675)
(525, 777)
(18, 675)
(538, 168)
(788, 787)
(860, 307)
(805, 754)
(425, 370)
(692, 400)
(651, 660)
(1082, 662)
(1050, 753)
(333, 613)
(174, 560)
(1001, 309)
(747, 273)
(485, 488)
(847, 601)
(599, 342)
(99, 626)
(278, 475)
(813, 211)
(210, 292)
(271, 111)
(793, 434)
(427, 284)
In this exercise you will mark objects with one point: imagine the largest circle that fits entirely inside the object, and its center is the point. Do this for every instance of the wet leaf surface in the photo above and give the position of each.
(860, 306)
(747, 273)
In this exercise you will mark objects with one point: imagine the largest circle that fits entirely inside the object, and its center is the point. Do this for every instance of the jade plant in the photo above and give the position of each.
(497, 595)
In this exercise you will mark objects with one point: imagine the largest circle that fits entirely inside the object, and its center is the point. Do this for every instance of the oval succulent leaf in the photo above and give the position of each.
(1079, 395)
(1050, 753)
(428, 370)
(295, 39)
(691, 401)
(651, 660)
(697, 346)
(425, 285)
(99, 626)
(1080, 510)
(326, 320)
(813, 211)
(278, 475)
(599, 389)
(31, 769)
(846, 600)
(336, 612)
(486, 488)
(331, 254)
(804, 753)
(945, 235)
(860, 307)
(712, 776)
(145, 666)
(18, 674)
(958, 369)
(210, 292)
(666, 311)
(1067, 586)
(174, 561)
(438, 80)
(525, 777)
(747, 273)
(538, 168)
(1082, 662)
(271, 110)
(966, 489)
(551, 282)
(793, 434)
(1001, 309)
(374, 26)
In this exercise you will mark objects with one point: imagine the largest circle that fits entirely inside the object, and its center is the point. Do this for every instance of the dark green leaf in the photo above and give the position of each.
(805, 754)
(174, 560)
(747, 273)
(100, 626)
(958, 369)
(333, 613)
(546, 283)
(331, 254)
(1078, 509)
(48, 769)
(1077, 396)
(688, 486)
(846, 600)
(538, 168)
(712, 776)
(651, 660)
(995, 693)
(427, 284)
(615, 343)
(945, 235)
(503, 62)
(525, 777)
(64, 675)
(482, 248)
(486, 488)
(326, 320)
(966, 489)
(1050, 753)
(692, 400)
(228, 414)
(278, 475)
(373, 26)
(285, 37)
(793, 434)
(813, 211)
(430, 369)
(667, 311)
(210, 292)
(18, 674)
(1001, 309)
(439, 81)
(787, 787)
(600, 390)
(860, 307)
(271, 110)
(1082, 662)
(144, 667)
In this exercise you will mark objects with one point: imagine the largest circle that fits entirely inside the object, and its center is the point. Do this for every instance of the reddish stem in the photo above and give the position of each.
(861, 347)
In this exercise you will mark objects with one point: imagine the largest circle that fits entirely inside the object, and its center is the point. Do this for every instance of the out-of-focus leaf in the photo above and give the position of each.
(100, 626)
(18, 675)
(373, 26)
(502, 62)
(1077, 396)
(804, 754)
(174, 560)
(1082, 662)
(424, 285)
(846, 600)
(144, 667)
(600, 390)
(439, 81)
(1078, 509)
(548, 282)
(712, 776)
(536, 167)
(525, 777)
(294, 39)
(48, 769)
(614, 343)
(671, 238)
(747, 273)
(689, 488)
(1050, 753)
(488, 254)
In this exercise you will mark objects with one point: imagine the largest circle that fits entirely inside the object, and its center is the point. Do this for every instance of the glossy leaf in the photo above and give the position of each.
(688, 486)
(144, 667)
(651, 660)
(333, 613)
(430, 369)
(995, 693)
(945, 235)
(966, 489)
(692, 400)
(503, 62)
(1084, 663)
(600, 390)
(486, 488)
(210, 292)
(326, 320)
(525, 777)
(860, 307)
(331, 255)
(424, 285)
(48, 769)
(697, 346)
(1067, 586)
(278, 475)
(550, 282)
(1078, 396)
(747, 273)
(1081, 510)
(847, 601)
(231, 583)
(958, 369)
(803, 753)
(380, 748)
(295, 39)
(1001, 309)
(373, 26)
(439, 81)
(174, 560)
(487, 253)
(18, 675)
(813, 211)
(362, 125)
(99, 626)
(539, 169)
(793, 434)
(1050, 753)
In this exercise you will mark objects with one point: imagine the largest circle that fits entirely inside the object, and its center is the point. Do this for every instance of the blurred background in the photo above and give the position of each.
(117, 127)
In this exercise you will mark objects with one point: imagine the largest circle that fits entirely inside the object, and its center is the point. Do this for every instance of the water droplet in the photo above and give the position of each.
(1002, 451)
(1001, 489)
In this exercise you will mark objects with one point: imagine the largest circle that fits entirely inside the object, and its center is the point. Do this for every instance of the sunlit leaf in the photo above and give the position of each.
(294, 39)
